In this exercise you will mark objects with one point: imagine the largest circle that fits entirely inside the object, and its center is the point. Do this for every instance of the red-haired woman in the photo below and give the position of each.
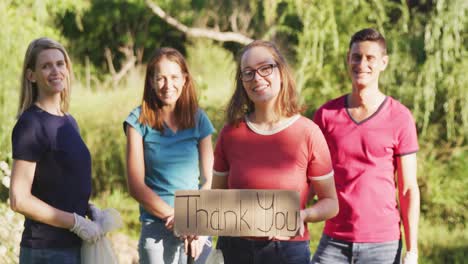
(168, 148)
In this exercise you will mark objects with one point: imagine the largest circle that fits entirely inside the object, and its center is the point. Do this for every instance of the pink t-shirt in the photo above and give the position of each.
(363, 156)
(287, 158)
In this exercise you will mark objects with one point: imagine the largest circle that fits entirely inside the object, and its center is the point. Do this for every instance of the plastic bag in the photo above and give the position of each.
(215, 257)
(101, 252)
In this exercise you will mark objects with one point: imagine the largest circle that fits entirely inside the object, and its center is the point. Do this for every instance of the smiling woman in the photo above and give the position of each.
(46, 71)
(51, 175)
(267, 144)
(51, 73)
(168, 149)
(169, 82)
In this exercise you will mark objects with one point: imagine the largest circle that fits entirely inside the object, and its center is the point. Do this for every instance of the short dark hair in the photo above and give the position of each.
(369, 34)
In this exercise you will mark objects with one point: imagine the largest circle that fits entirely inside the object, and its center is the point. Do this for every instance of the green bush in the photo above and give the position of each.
(22, 21)
(213, 69)
(442, 179)
(127, 207)
(439, 243)
(100, 116)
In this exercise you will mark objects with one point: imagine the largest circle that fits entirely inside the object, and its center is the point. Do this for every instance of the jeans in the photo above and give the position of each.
(331, 250)
(50, 255)
(239, 250)
(159, 245)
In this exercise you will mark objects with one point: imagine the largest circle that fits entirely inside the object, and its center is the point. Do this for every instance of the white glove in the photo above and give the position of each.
(96, 213)
(411, 258)
(86, 229)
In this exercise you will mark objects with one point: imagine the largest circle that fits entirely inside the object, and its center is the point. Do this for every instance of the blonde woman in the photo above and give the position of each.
(51, 174)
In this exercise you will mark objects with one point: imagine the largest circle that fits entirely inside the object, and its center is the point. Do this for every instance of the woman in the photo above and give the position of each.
(168, 148)
(267, 144)
(51, 174)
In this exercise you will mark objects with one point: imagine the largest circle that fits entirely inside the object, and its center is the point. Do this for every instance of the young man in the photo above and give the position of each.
(371, 137)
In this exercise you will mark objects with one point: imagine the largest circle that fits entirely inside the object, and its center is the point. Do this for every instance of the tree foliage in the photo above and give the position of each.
(425, 39)
(428, 55)
(22, 21)
(122, 27)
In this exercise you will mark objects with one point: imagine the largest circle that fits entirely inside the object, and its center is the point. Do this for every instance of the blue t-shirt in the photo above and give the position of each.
(62, 177)
(171, 159)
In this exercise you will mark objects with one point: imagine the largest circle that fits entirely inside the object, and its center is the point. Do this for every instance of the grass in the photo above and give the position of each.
(100, 115)
(127, 207)
(438, 243)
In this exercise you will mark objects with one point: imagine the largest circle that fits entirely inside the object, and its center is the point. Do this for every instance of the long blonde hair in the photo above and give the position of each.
(287, 103)
(29, 90)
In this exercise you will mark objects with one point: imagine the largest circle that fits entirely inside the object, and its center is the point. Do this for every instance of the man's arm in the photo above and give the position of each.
(408, 192)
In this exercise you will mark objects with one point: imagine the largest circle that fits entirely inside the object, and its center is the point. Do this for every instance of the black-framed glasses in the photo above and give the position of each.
(263, 71)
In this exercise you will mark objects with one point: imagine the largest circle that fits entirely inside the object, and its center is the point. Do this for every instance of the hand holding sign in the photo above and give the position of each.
(196, 245)
(300, 231)
(169, 222)
(262, 213)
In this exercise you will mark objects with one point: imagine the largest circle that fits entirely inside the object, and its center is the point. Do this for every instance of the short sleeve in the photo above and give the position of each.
(221, 165)
(320, 165)
(74, 123)
(132, 120)
(318, 118)
(204, 124)
(407, 139)
(27, 141)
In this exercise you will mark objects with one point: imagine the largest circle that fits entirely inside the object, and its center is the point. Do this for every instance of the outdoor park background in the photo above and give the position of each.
(110, 40)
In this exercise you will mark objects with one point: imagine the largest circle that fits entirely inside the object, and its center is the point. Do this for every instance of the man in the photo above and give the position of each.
(371, 137)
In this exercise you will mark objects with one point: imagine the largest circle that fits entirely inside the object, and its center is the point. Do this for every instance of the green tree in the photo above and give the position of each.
(110, 32)
(22, 21)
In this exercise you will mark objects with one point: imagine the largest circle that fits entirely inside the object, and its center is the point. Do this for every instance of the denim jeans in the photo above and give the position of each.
(331, 250)
(50, 255)
(159, 245)
(239, 250)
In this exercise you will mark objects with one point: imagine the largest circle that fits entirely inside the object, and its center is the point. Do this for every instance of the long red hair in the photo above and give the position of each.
(151, 106)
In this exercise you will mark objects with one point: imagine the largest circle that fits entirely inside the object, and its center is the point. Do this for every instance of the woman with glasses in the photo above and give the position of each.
(168, 148)
(267, 144)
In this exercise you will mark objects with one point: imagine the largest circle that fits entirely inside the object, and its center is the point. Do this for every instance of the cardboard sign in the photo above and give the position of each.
(237, 212)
